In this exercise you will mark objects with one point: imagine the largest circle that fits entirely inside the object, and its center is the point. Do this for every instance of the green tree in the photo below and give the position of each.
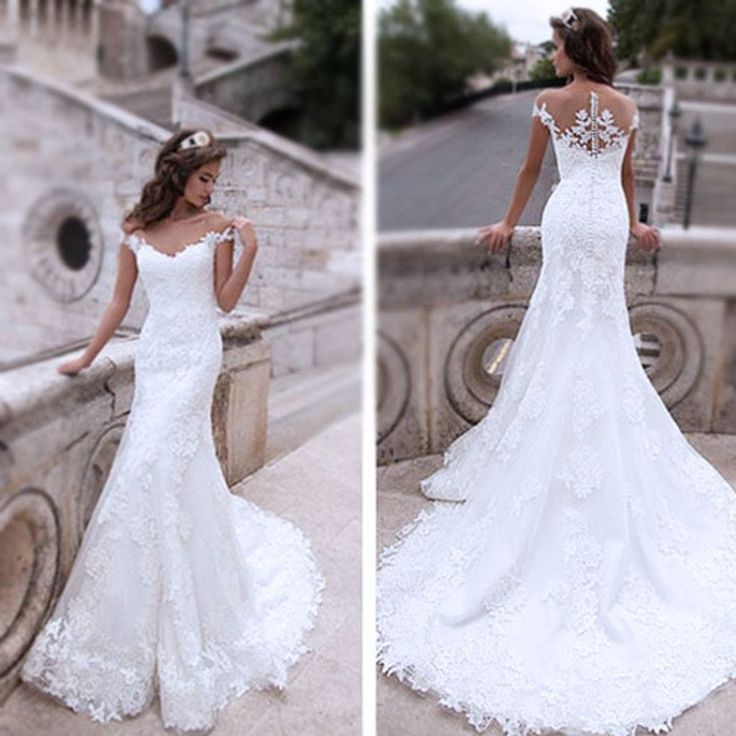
(427, 50)
(325, 70)
(542, 70)
(702, 30)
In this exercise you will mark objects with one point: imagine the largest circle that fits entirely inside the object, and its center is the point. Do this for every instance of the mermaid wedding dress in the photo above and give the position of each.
(179, 587)
(586, 580)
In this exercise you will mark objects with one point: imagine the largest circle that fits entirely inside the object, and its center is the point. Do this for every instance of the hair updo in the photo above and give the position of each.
(588, 43)
(172, 169)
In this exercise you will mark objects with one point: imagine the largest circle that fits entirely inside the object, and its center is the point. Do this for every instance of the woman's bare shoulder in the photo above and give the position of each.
(218, 221)
(130, 225)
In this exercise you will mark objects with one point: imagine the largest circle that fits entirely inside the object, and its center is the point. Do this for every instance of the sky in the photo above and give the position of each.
(525, 20)
(528, 20)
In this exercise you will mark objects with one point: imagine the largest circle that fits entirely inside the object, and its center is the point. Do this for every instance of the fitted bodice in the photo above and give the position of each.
(585, 222)
(182, 319)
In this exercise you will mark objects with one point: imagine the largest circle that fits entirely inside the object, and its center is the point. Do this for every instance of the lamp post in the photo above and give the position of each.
(673, 113)
(695, 140)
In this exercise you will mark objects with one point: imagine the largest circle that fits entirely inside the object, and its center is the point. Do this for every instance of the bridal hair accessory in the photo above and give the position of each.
(200, 138)
(569, 18)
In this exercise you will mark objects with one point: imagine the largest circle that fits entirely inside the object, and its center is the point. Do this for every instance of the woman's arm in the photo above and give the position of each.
(229, 281)
(498, 234)
(647, 237)
(113, 314)
(627, 178)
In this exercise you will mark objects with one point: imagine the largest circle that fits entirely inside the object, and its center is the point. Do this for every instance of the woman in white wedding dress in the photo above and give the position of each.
(179, 589)
(585, 577)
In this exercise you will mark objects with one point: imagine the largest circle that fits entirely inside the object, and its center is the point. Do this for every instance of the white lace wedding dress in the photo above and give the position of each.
(587, 581)
(179, 588)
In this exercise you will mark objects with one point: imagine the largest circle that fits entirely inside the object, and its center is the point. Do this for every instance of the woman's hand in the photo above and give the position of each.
(72, 367)
(246, 231)
(647, 237)
(495, 236)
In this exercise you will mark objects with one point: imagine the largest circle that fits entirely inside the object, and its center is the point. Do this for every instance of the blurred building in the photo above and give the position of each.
(116, 50)
(524, 57)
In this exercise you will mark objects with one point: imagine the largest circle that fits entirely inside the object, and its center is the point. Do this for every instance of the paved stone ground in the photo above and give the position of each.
(460, 170)
(402, 712)
(323, 498)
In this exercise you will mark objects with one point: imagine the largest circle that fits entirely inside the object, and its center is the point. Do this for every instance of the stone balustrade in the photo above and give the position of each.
(443, 302)
(702, 80)
(58, 439)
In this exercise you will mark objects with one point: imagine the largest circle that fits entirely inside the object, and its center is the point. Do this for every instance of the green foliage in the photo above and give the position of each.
(702, 30)
(652, 75)
(503, 82)
(543, 69)
(427, 50)
(325, 70)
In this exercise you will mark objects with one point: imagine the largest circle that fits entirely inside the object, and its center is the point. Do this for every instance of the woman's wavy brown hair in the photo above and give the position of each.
(589, 46)
(173, 168)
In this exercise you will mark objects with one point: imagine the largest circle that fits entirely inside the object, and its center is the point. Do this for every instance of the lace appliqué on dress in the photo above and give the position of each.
(594, 131)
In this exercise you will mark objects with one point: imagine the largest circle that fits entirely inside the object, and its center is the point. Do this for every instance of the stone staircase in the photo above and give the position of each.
(714, 200)
(300, 404)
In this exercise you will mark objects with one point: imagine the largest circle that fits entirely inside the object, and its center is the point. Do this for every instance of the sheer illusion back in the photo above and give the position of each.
(596, 124)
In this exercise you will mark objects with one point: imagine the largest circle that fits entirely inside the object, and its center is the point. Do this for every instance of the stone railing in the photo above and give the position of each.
(58, 438)
(701, 80)
(443, 301)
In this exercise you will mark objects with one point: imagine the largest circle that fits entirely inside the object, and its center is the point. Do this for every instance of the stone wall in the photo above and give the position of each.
(443, 300)
(58, 438)
(252, 87)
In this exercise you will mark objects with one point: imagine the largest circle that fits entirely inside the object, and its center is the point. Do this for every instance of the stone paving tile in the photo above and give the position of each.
(323, 498)
(404, 712)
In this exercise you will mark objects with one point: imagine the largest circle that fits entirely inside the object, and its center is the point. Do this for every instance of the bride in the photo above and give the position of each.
(179, 588)
(585, 577)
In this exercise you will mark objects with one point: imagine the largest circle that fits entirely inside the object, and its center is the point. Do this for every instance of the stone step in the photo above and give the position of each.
(713, 201)
(300, 404)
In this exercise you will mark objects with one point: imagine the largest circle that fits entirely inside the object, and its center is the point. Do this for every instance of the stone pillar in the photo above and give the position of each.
(63, 33)
(9, 31)
(33, 19)
(53, 21)
(240, 409)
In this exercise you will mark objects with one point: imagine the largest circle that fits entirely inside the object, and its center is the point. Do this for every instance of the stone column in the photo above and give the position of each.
(53, 22)
(33, 19)
(9, 31)
(64, 34)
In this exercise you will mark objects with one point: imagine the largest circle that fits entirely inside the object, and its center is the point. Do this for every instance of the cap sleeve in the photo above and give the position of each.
(635, 119)
(220, 236)
(129, 239)
(229, 233)
(539, 110)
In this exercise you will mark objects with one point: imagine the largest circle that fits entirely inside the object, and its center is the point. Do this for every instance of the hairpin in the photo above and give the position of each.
(568, 17)
(200, 138)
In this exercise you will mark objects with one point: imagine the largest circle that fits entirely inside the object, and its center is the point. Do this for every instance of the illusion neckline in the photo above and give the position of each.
(186, 246)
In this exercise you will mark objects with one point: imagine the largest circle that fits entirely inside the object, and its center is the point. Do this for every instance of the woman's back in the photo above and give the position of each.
(587, 123)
